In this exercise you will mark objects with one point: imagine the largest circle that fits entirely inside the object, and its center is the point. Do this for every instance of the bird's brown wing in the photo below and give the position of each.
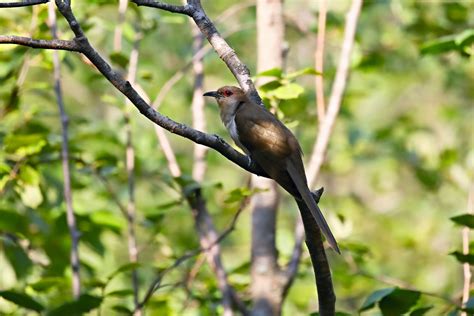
(260, 130)
(269, 142)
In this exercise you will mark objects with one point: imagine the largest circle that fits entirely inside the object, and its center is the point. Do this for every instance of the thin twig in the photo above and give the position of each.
(71, 219)
(338, 87)
(130, 166)
(319, 61)
(465, 250)
(24, 3)
(156, 283)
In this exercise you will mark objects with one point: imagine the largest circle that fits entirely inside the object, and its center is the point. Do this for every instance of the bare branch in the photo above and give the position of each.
(24, 3)
(182, 9)
(40, 43)
(125, 87)
(320, 147)
(71, 218)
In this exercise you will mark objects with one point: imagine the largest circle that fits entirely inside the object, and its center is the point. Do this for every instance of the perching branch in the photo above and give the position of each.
(71, 218)
(24, 3)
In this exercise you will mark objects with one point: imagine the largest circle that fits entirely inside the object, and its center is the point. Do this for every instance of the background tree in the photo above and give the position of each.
(398, 165)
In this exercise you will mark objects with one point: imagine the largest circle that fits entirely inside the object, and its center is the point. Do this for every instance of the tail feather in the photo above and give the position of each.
(312, 206)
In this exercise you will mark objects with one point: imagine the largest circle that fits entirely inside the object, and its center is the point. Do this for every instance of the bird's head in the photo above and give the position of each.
(228, 98)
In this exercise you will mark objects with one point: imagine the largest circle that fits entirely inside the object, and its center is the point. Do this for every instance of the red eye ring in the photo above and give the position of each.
(227, 93)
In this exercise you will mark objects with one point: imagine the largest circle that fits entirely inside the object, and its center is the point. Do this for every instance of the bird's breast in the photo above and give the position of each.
(234, 133)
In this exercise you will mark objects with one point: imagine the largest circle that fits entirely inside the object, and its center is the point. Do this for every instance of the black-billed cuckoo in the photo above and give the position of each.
(271, 145)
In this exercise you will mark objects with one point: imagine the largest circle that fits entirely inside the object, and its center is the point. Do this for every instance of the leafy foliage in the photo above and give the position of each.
(397, 168)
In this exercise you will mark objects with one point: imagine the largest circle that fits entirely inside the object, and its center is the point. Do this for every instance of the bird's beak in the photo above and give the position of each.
(213, 94)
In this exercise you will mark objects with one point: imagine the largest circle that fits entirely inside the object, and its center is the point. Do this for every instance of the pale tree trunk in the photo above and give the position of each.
(266, 275)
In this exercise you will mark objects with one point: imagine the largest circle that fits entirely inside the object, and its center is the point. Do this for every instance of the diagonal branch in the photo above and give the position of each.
(24, 3)
(56, 44)
(126, 88)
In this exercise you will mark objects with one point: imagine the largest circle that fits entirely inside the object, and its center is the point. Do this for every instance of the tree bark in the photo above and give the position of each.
(266, 274)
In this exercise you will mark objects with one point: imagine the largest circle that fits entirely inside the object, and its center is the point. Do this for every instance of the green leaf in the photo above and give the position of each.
(122, 269)
(438, 46)
(122, 309)
(238, 194)
(464, 220)
(47, 283)
(287, 92)
(31, 195)
(463, 258)
(84, 304)
(120, 293)
(302, 72)
(119, 59)
(399, 302)
(465, 38)
(24, 145)
(375, 297)
(29, 175)
(274, 72)
(22, 300)
(420, 311)
(108, 219)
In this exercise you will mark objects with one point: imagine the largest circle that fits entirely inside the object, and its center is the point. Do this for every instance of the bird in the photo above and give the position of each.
(269, 143)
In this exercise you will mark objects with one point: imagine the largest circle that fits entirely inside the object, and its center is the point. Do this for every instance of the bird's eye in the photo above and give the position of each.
(227, 93)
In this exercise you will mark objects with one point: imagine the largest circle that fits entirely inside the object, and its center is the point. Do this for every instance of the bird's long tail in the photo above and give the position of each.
(313, 207)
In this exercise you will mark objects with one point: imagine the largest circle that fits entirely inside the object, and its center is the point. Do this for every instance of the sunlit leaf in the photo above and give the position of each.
(289, 91)
(274, 72)
(31, 195)
(302, 72)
